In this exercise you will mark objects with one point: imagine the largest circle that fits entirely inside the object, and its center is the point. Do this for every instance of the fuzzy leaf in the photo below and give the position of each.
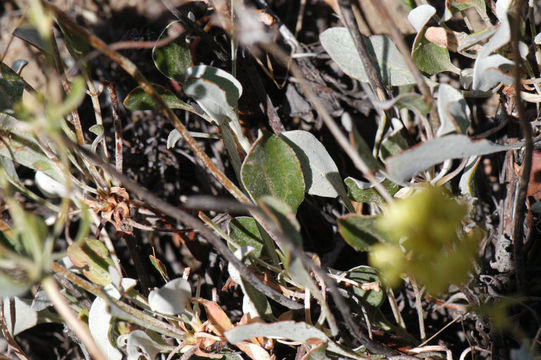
(296, 331)
(490, 71)
(390, 64)
(420, 16)
(403, 166)
(174, 58)
(99, 324)
(218, 93)
(432, 59)
(139, 344)
(272, 168)
(453, 111)
(321, 175)
(170, 299)
(24, 316)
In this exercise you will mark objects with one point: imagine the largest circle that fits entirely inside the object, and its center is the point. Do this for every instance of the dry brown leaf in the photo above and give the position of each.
(217, 317)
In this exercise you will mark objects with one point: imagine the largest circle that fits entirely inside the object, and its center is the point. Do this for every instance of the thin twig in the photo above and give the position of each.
(74, 323)
(117, 124)
(526, 129)
(94, 93)
(440, 331)
(419, 307)
(267, 106)
(369, 67)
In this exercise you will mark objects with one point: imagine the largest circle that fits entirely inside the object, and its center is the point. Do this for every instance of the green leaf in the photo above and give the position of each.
(364, 192)
(390, 64)
(245, 232)
(76, 44)
(285, 219)
(19, 145)
(361, 232)
(159, 265)
(11, 87)
(254, 303)
(364, 151)
(272, 168)
(429, 57)
(321, 175)
(403, 166)
(366, 274)
(393, 143)
(432, 59)
(138, 99)
(93, 257)
(174, 58)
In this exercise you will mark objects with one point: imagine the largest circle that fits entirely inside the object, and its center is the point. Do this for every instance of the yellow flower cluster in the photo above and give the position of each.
(426, 238)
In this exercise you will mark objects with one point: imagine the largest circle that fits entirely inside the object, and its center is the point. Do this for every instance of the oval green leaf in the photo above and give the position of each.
(174, 58)
(272, 168)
